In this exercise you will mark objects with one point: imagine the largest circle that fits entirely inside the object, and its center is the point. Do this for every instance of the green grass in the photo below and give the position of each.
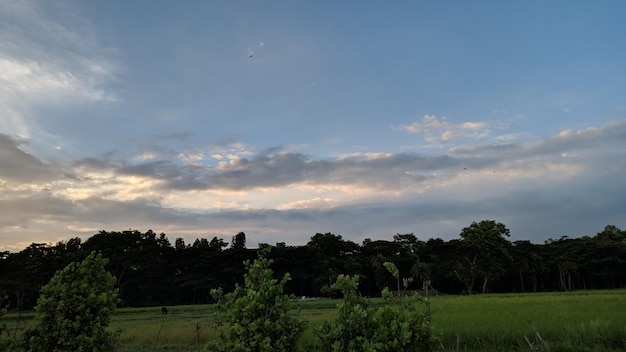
(572, 321)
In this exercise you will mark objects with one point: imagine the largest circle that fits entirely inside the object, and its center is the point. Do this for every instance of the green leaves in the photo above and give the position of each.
(259, 314)
(74, 309)
(486, 253)
(360, 327)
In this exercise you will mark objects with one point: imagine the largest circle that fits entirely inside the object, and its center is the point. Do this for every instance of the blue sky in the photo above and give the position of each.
(282, 119)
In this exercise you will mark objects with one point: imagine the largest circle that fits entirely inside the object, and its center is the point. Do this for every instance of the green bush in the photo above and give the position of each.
(354, 327)
(402, 324)
(74, 309)
(258, 314)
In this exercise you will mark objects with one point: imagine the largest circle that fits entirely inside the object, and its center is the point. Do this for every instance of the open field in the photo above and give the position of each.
(567, 321)
(573, 321)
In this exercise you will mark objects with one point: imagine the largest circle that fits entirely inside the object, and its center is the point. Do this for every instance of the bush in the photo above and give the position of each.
(74, 309)
(258, 314)
(398, 326)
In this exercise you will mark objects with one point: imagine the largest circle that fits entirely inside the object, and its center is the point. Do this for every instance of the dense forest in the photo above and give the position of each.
(150, 270)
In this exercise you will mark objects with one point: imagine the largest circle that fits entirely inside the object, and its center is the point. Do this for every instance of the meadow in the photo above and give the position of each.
(565, 321)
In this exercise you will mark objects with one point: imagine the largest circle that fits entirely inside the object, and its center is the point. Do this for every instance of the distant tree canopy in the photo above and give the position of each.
(149, 270)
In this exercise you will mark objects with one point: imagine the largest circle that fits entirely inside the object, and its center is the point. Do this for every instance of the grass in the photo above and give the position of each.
(572, 321)
(567, 321)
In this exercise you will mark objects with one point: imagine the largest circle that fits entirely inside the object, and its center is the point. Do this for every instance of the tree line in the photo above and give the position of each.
(149, 270)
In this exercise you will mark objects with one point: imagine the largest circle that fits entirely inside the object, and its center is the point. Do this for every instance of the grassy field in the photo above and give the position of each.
(572, 321)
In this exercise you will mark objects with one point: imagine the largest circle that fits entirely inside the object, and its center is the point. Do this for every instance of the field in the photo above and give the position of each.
(572, 321)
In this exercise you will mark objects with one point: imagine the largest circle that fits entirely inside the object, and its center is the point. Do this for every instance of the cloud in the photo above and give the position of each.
(40, 82)
(268, 169)
(275, 195)
(441, 130)
(19, 166)
(315, 203)
(48, 64)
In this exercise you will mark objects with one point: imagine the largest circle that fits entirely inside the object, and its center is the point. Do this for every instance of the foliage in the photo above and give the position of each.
(491, 322)
(485, 253)
(354, 326)
(4, 344)
(151, 271)
(74, 309)
(239, 241)
(335, 255)
(397, 326)
(258, 313)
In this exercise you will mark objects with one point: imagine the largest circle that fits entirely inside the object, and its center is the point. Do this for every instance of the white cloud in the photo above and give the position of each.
(191, 156)
(48, 63)
(277, 192)
(315, 203)
(507, 138)
(29, 82)
(441, 130)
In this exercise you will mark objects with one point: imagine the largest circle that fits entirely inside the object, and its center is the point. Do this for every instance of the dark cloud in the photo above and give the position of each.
(282, 169)
(274, 167)
(581, 194)
(17, 211)
(159, 169)
(44, 206)
(19, 166)
(129, 213)
(531, 215)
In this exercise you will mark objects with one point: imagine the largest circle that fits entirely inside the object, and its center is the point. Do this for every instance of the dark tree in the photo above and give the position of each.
(239, 241)
(486, 252)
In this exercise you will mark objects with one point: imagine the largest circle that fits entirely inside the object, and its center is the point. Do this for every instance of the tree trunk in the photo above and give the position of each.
(562, 279)
(468, 283)
(485, 280)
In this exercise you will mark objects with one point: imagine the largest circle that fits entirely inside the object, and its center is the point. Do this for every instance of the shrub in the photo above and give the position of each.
(74, 309)
(400, 325)
(354, 328)
(259, 315)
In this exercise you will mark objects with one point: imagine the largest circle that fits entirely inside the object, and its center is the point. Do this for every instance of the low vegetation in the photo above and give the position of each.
(74, 309)
(258, 314)
(258, 311)
(566, 321)
(398, 325)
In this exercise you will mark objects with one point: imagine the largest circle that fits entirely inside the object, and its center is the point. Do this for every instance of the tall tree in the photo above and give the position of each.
(239, 241)
(336, 255)
(611, 233)
(486, 250)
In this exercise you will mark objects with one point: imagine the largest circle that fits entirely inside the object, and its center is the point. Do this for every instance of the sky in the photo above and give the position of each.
(283, 119)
